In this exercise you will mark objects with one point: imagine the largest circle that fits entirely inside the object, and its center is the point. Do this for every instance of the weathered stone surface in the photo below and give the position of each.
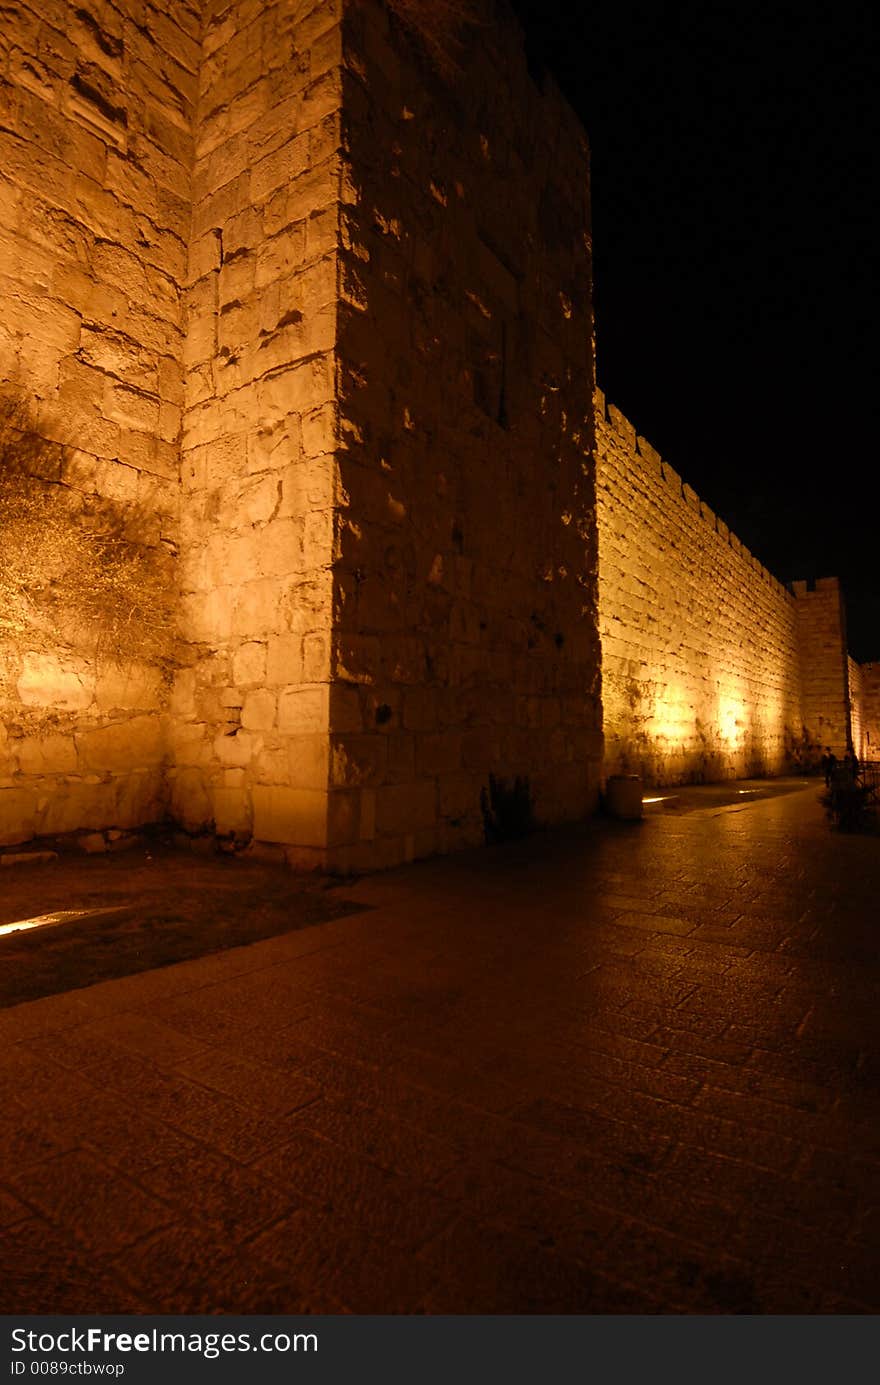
(18, 815)
(700, 667)
(49, 681)
(710, 667)
(825, 693)
(97, 155)
(51, 754)
(137, 742)
(320, 330)
(286, 815)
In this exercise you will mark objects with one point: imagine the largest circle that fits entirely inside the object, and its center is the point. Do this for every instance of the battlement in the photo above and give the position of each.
(301, 320)
(655, 465)
(710, 665)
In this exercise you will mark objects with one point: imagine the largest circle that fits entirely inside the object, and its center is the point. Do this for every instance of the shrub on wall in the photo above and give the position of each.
(76, 571)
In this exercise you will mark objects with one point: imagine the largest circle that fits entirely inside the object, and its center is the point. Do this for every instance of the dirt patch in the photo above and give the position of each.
(146, 908)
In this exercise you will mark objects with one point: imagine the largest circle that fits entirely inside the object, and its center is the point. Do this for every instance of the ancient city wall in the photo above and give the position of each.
(857, 708)
(464, 632)
(701, 677)
(298, 535)
(347, 382)
(824, 663)
(250, 706)
(95, 151)
(870, 688)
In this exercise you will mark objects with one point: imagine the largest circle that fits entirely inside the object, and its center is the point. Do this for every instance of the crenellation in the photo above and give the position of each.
(688, 688)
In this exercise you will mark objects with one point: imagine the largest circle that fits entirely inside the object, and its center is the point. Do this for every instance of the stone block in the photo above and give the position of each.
(403, 808)
(295, 817)
(18, 815)
(190, 802)
(346, 710)
(48, 754)
(307, 762)
(304, 710)
(279, 548)
(258, 710)
(232, 810)
(256, 608)
(47, 680)
(343, 817)
(249, 664)
(236, 747)
(439, 753)
(121, 745)
(134, 687)
(357, 761)
(284, 663)
(79, 803)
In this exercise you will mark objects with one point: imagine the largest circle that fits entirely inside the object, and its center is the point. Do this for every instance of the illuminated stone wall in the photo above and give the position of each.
(464, 592)
(373, 286)
(870, 689)
(251, 704)
(321, 320)
(701, 676)
(824, 662)
(95, 151)
(858, 720)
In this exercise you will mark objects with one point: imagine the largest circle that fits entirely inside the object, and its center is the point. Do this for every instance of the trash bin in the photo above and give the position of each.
(623, 796)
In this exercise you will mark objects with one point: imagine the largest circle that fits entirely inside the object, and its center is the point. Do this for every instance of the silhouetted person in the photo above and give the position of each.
(829, 764)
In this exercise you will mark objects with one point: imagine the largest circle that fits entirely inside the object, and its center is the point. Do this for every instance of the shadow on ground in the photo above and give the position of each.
(625, 1068)
(146, 908)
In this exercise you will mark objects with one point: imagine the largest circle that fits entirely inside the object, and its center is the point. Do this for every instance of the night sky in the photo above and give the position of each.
(733, 172)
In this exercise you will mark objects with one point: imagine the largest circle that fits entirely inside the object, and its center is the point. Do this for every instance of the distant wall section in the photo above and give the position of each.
(701, 676)
(824, 663)
(870, 682)
(858, 717)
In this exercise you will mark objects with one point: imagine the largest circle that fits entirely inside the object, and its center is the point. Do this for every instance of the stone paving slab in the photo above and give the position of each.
(624, 1068)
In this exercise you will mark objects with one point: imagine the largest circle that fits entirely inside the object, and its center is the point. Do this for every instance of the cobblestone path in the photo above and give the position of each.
(619, 1069)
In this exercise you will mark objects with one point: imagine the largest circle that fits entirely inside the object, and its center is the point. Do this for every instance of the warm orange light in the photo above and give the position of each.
(48, 920)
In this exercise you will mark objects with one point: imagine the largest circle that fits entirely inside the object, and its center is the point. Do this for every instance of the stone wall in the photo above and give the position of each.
(311, 325)
(700, 670)
(251, 704)
(870, 684)
(378, 477)
(464, 638)
(824, 663)
(858, 721)
(95, 152)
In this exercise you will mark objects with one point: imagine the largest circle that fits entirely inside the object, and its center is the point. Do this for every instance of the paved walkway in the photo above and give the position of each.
(619, 1069)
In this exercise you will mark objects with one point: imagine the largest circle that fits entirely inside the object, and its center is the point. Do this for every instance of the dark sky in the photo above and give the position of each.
(735, 253)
